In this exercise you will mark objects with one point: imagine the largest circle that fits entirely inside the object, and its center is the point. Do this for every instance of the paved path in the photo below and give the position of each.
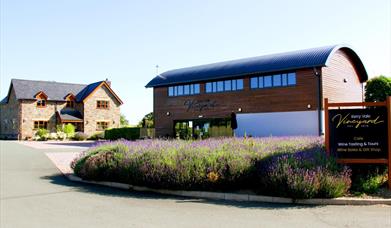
(34, 194)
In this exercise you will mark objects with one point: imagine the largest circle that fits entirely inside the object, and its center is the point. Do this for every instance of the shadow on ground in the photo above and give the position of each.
(112, 192)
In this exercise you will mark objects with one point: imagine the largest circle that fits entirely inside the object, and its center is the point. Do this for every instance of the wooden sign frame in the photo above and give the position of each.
(387, 104)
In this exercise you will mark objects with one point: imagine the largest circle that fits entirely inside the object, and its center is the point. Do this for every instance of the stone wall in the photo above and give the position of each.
(31, 113)
(92, 114)
(17, 117)
(9, 121)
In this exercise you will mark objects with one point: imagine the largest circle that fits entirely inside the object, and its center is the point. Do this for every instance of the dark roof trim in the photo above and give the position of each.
(309, 58)
(96, 87)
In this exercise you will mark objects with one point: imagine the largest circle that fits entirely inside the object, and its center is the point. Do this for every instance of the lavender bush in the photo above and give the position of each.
(270, 165)
(304, 174)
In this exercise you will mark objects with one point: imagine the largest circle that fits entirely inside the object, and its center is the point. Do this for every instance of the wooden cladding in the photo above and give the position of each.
(220, 105)
(340, 80)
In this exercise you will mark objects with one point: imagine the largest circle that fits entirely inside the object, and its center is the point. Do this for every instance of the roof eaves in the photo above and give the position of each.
(151, 85)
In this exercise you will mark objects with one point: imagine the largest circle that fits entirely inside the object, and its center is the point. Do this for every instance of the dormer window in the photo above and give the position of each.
(41, 103)
(70, 99)
(70, 104)
(41, 99)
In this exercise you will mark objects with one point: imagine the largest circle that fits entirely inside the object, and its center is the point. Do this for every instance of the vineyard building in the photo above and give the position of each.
(272, 95)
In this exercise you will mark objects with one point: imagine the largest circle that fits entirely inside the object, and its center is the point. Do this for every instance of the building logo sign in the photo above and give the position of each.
(199, 105)
(358, 133)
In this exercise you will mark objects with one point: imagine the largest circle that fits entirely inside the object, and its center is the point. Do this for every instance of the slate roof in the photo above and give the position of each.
(70, 115)
(315, 57)
(56, 91)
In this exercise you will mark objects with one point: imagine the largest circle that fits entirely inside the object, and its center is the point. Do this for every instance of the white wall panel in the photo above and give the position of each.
(277, 124)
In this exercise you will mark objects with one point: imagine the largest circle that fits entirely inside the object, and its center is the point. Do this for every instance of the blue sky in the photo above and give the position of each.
(83, 41)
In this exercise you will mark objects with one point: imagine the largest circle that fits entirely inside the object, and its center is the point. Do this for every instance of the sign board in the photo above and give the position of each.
(358, 133)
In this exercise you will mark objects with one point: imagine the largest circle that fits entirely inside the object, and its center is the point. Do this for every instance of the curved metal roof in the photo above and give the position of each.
(315, 57)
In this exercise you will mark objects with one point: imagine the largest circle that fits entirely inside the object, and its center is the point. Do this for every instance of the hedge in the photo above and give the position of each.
(129, 133)
(294, 167)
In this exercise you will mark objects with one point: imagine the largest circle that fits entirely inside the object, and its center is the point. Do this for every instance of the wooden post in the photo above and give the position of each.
(326, 126)
(389, 140)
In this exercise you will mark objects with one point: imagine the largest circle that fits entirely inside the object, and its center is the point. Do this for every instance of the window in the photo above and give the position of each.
(208, 87)
(267, 81)
(171, 91)
(40, 124)
(186, 89)
(284, 79)
(276, 80)
(102, 125)
(102, 104)
(227, 85)
(239, 84)
(41, 103)
(292, 79)
(70, 104)
(254, 82)
(260, 82)
(180, 90)
(196, 89)
(220, 86)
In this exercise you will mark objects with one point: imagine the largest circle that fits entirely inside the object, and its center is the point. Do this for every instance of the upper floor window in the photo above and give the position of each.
(40, 124)
(226, 85)
(183, 90)
(102, 125)
(41, 103)
(276, 80)
(41, 99)
(70, 100)
(70, 104)
(102, 104)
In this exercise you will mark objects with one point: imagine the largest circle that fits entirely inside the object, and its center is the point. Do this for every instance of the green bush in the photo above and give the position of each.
(80, 136)
(97, 136)
(295, 167)
(304, 174)
(368, 178)
(42, 133)
(69, 130)
(129, 133)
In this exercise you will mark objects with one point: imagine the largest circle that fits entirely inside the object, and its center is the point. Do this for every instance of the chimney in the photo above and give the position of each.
(108, 82)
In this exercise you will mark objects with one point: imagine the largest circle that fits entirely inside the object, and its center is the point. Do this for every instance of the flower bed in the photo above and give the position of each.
(282, 166)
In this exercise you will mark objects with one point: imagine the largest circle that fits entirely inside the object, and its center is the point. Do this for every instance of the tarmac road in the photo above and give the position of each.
(34, 194)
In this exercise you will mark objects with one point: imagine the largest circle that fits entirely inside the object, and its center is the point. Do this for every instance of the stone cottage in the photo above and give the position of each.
(31, 105)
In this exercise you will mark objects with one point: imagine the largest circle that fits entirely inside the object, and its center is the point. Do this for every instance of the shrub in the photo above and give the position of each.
(69, 130)
(42, 134)
(368, 178)
(96, 136)
(272, 165)
(129, 133)
(80, 136)
(304, 174)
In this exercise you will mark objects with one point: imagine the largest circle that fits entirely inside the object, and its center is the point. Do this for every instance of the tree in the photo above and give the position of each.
(69, 130)
(147, 121)
(378, 89)
(123, 121)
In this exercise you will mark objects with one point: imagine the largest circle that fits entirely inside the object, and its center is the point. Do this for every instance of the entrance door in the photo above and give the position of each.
(203, 128)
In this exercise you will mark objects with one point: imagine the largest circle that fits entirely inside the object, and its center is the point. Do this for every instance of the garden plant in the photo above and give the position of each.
(294, 167)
